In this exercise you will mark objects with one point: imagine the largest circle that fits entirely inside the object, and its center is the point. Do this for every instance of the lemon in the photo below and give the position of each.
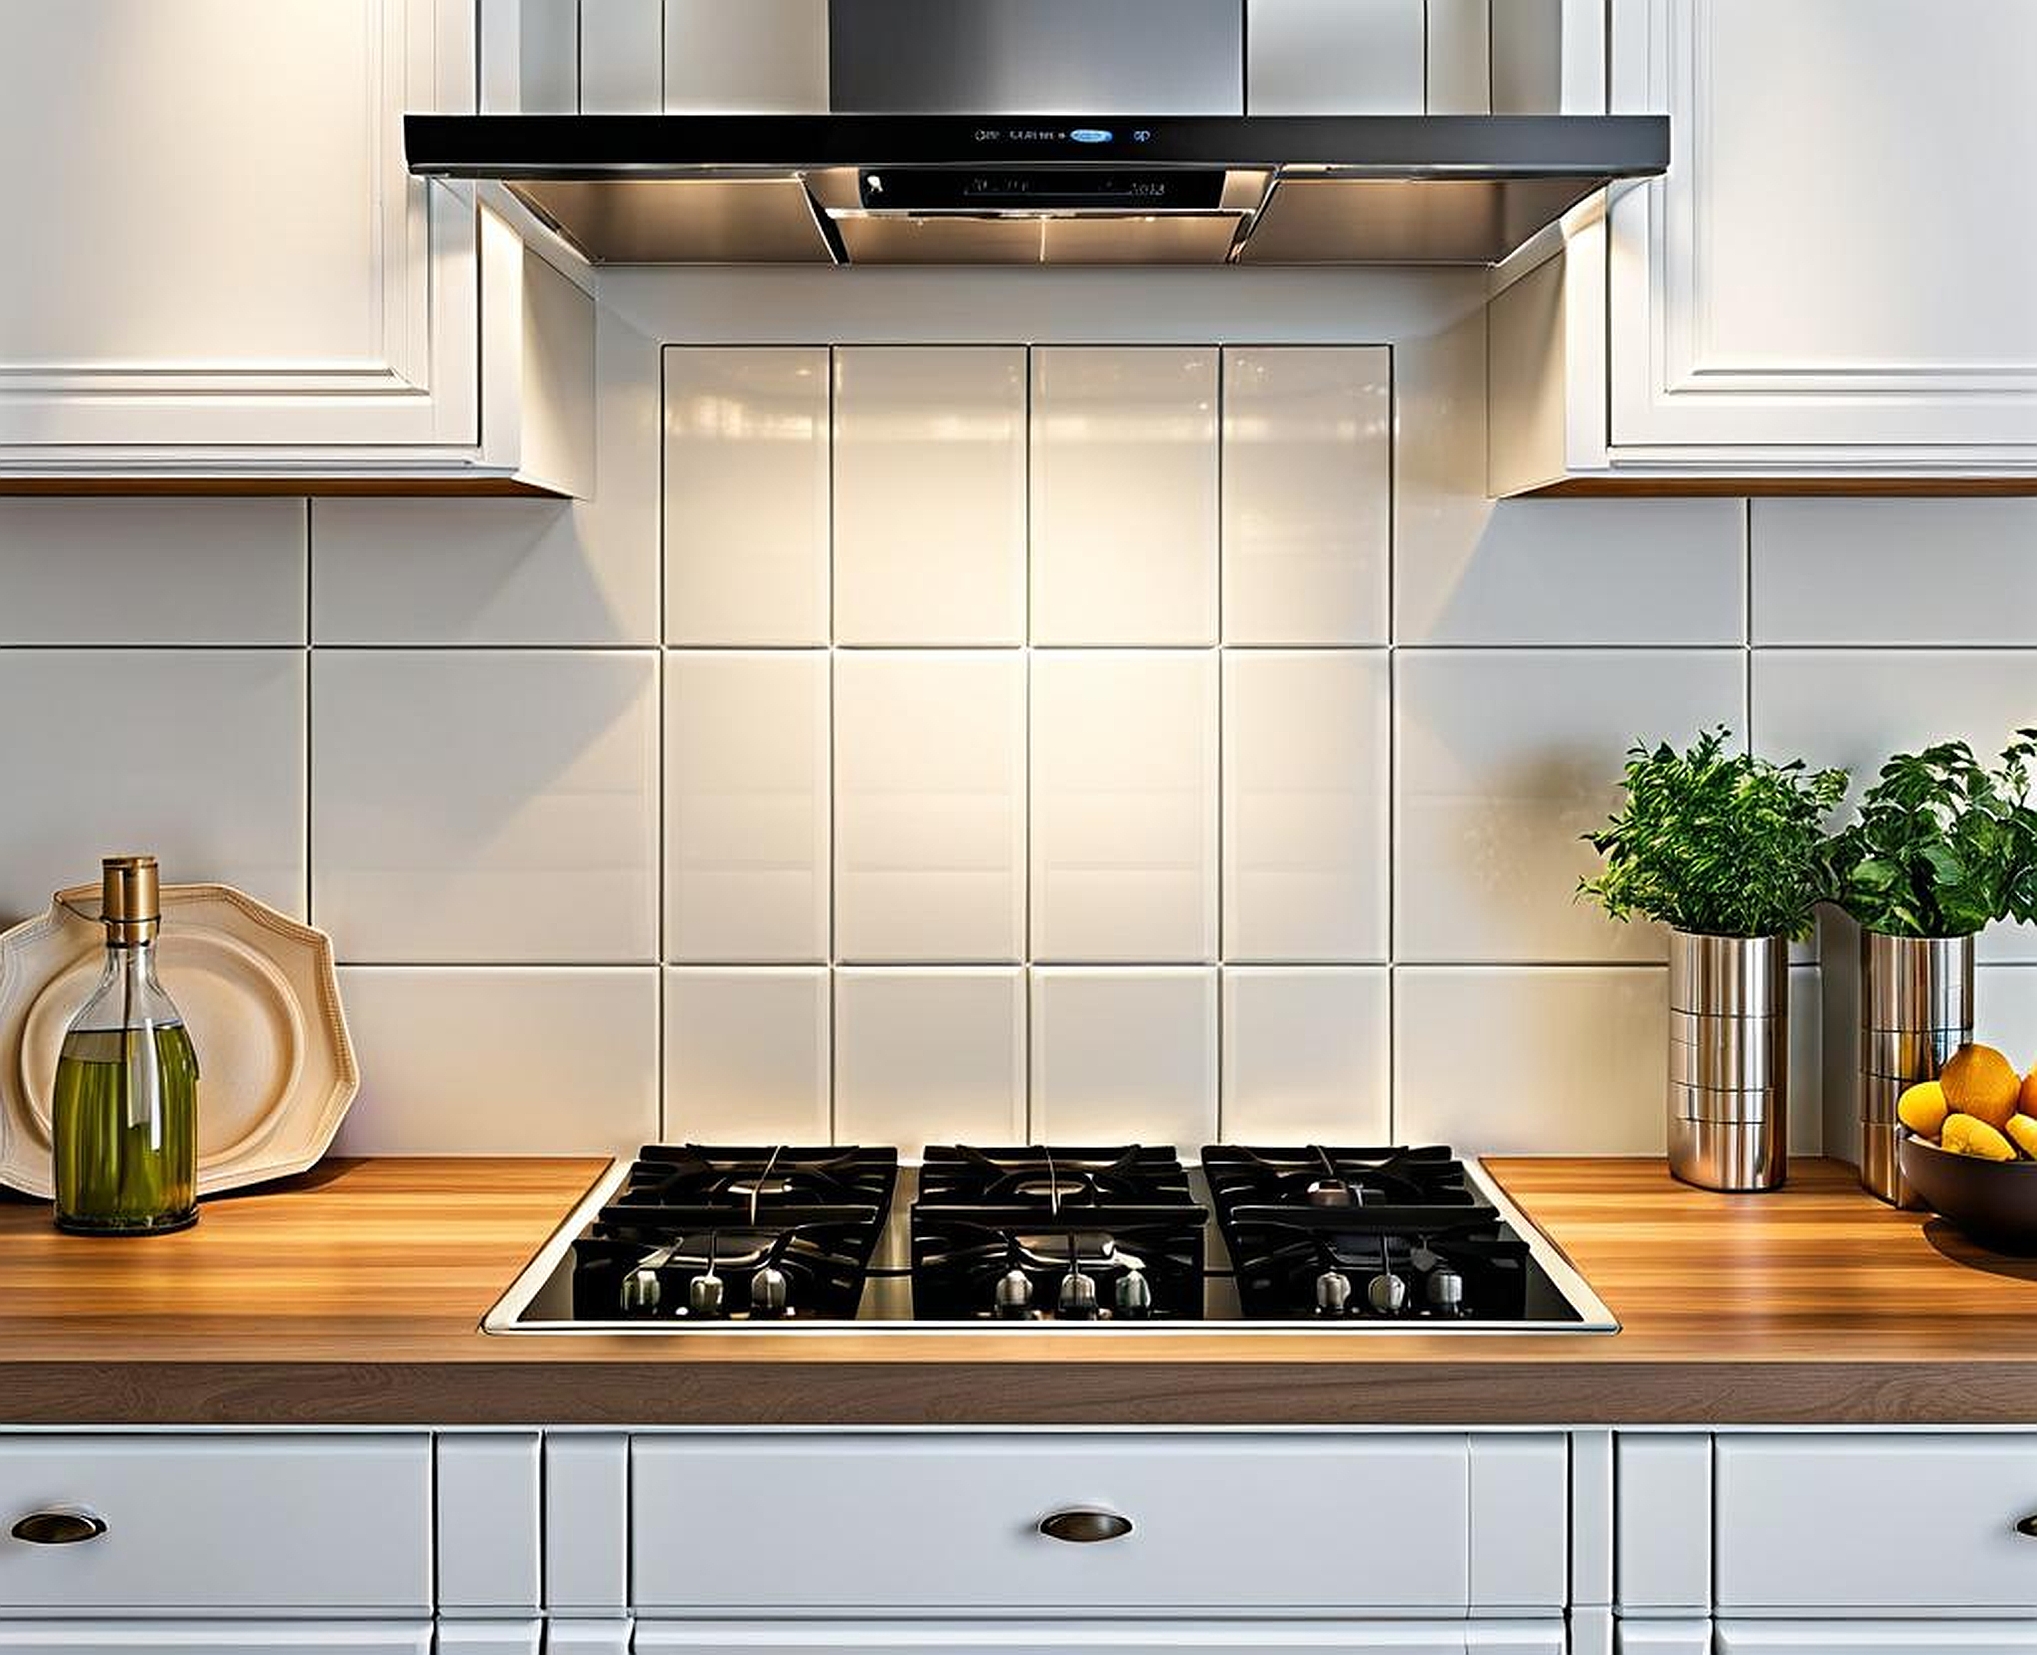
(1968, 1135)
(1923, 1109)
(2022, 1130)
(1980, 1082)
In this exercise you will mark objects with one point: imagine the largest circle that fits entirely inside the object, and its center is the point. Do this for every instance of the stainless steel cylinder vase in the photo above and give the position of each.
(1728, 1061)
(1916, 1010)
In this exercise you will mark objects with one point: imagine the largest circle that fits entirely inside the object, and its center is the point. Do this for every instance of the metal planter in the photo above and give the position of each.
(1916, 1010)
(1728, 1061)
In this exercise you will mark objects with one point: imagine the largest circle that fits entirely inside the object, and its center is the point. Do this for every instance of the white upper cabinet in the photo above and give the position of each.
(221, 266)
(1832, 281)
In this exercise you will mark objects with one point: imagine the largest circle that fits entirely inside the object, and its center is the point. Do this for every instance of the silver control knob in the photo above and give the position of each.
(703, 1295)
(1014, 1295)
(770, 1292)
(1134, 1295)
(1333, 1293)
(1077, 1298)
(641, 1291)
(1446, 1290)
(1387, 1293)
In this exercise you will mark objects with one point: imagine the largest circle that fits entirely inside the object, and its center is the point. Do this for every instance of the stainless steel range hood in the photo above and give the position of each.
(997, 189)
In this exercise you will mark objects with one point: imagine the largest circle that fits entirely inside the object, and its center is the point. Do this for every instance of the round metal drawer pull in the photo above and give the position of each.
(1085, 1528)
(2028, 1527)
(59, 1528)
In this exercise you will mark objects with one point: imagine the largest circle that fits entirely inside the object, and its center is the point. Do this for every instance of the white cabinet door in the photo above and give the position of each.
(1874, 1638)
(1842, 255)
(1097, 1638)
(213, 239)
(215, 1638)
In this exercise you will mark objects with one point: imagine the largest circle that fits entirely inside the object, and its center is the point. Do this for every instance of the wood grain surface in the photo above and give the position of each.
(354, 1295)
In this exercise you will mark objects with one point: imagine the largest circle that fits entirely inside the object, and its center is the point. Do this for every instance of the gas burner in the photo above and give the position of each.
(1384, 1234)
(1043, 1233)
(772, 1232)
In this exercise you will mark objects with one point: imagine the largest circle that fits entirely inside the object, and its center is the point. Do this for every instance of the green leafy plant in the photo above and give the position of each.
(1943, 845)
(1716, 841)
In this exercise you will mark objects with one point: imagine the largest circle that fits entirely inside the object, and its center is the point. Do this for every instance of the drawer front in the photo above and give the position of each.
(227, 1525)
(1092, 1638)
(1834, 1523)
(214, 1638)
(1875, 1638)
(791, 1525)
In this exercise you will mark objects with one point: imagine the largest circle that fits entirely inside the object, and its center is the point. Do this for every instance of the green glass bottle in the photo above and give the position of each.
(125, 1118)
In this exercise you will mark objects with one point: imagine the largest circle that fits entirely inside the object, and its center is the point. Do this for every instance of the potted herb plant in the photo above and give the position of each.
(1941, 847)
(1729, 851)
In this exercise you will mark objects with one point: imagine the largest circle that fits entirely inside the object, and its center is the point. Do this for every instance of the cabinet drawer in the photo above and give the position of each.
(1821, 1523)
(775, 1525)
(226, 1525)
(1099, 1638)
(214, 1638)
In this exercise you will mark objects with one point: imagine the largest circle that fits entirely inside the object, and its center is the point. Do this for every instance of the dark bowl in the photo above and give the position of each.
(1993, 1203)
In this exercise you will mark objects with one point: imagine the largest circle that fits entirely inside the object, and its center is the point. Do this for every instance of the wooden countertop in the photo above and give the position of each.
(353, 1295)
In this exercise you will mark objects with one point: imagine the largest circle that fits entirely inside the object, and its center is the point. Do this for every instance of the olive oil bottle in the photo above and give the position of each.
(125, 1119)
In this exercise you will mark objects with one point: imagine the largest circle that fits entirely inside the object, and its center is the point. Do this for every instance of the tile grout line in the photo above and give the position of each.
(310, 659)
(1029, 1013)
(663, 687)
(1223, 448)
(833, 773)
(1393, 737)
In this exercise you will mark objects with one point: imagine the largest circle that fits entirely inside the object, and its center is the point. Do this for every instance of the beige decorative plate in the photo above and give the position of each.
(257, 989)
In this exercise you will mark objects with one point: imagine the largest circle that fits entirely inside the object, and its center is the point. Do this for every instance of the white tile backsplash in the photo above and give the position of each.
(925, 707)
(930, 805)
(91, 571)
(1124, 805)
(746, 495)
(1124, 495)
(502, 1059)
(922, 1056)
(747, 805)
(1308, 495)
(194, 756)
(1306, 1055)
(1305, 804)
(930, 495)
(485, 806)
(746, 1055)
(1506, 758)
(1124, 1056)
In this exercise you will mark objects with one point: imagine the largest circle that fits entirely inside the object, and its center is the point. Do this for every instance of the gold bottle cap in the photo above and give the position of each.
(129, 898)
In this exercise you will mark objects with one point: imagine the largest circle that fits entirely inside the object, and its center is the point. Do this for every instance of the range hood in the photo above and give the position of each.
(889, 189)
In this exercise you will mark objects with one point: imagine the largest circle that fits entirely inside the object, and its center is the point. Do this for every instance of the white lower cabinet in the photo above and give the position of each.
(215, 1638)
(1874, 1638)
(1092, 1638)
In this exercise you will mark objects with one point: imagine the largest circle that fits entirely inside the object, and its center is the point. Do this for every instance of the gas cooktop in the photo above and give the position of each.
(1045, 1237)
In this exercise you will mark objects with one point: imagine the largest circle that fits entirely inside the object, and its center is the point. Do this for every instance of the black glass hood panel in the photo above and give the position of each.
(1270, 189)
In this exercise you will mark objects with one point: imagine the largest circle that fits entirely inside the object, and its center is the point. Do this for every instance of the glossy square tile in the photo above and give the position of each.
(1807, 1061)
(1124, 495)
(746, 494)
(490, 806)
(1124, 1056)
(746, 806)
(1505, 760)
(930, 494)
(1575, 572)
(1307, 494)
(502, 1060)
(478, 572)
(761, 57)
(2005, 1011)
(622, 70)
(930, 812)
(1857, 707)
(746, 1056)
(1539, 1061)
(1306, 1056)
(84, 571)
(1894, 571)
(1124, 806)
(930, 1056)
(205, 769)
(1306, 850)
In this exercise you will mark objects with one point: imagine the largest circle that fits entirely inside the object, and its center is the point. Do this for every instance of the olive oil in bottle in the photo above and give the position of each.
(125, 1119)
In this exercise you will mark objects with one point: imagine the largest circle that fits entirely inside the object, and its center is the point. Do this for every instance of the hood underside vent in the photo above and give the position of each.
(889, 189)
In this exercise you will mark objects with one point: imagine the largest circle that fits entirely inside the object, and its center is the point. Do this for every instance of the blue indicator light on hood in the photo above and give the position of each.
(1091, 135)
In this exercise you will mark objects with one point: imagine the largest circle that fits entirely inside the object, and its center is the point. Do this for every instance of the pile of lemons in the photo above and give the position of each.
(1978, 1105)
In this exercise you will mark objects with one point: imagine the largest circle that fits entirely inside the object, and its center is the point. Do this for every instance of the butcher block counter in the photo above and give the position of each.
(354, 1295)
